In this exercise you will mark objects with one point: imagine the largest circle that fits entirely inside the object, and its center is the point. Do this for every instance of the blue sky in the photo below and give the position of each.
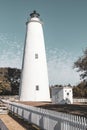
(65, 32)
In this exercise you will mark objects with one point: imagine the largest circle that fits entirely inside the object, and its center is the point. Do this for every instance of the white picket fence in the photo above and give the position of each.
(47, 119)
(80, 100)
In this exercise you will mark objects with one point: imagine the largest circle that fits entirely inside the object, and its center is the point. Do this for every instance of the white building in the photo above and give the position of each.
(34, 81)
(62, 95)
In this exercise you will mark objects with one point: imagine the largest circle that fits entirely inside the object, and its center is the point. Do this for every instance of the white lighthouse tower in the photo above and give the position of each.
(34, 80)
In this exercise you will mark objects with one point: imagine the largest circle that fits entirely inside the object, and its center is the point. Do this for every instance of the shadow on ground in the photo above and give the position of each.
(68, 108)
(22, 122)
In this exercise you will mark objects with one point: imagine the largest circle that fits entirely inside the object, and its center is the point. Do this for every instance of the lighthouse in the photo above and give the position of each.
(34, 84)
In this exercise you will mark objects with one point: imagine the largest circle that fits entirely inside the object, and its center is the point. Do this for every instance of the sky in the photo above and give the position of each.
(65, 34)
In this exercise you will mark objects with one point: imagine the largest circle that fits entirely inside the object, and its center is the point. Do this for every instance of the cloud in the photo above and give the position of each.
(60, 62)
(11, 51)
(60, 67)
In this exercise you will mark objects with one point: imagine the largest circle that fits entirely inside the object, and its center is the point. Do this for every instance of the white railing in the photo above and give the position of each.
(47, 119)
(80, 100)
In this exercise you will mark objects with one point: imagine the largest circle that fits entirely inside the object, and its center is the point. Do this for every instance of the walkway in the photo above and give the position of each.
(14, 123)
(10, 123)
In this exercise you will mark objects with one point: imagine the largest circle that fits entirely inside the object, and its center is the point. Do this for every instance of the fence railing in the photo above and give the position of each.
(47, 119)
(80, 100)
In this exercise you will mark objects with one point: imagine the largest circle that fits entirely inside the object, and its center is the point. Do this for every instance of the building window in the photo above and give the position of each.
(37, 87)
(36, 56)
(67, 94)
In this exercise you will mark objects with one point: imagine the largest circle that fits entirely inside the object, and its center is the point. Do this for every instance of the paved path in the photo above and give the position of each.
(10, 123)
(15, 123)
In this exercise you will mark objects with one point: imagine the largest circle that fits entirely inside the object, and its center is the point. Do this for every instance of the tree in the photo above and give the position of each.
(5, 88)
(14, 78)
(81, 64)
(80, 91)
(9, 81)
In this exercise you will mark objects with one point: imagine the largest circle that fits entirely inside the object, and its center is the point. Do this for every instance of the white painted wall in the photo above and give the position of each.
(62, 95)
(67, 94)
(34, 71)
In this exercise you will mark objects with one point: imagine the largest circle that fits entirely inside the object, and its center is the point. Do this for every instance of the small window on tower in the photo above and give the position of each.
(37, 87)
(67, 94)
(36, 56)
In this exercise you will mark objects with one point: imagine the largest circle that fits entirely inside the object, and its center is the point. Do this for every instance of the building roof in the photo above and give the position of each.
(61, 87)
